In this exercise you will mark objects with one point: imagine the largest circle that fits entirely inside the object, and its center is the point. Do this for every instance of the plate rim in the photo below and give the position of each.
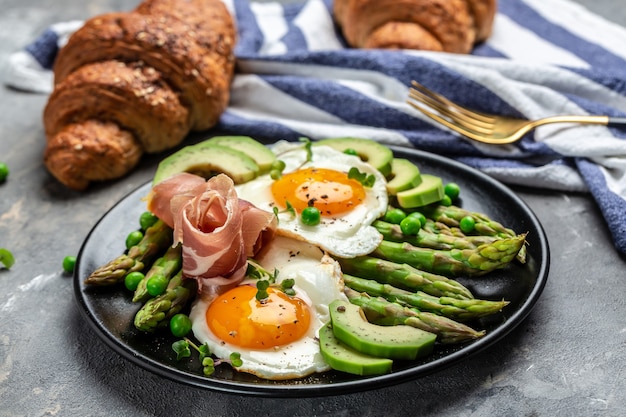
(340, 387)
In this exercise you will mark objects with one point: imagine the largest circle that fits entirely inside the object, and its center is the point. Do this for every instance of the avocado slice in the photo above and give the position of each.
(343, 358)
(404, 175)
(207, 160)
(429, 191)
(394, 342)
(261, 154)
(377, 155)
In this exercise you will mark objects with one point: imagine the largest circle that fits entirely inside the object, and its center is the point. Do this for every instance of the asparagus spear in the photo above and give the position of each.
(157, 238)
(157, 311)
(452, 215)
(454, 262)
(427, 239)
(463, 310)
(167, 265)
(432, 226)
(383, 312)
(404, 276)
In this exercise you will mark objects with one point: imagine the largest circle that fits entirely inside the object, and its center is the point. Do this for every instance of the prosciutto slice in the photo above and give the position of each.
(218, 230)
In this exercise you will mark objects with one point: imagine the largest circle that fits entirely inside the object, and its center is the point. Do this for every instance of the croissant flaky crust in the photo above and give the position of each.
(436, 25)
(155, 73)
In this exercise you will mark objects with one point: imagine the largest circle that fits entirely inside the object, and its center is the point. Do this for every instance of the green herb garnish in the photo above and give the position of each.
(261, 290)
(289, 209)
(181, 347)
(235, 359)
(362, 177)
(286, 286)
(256, 271)
(183, 350)
(268, 279)
(308, 147)
(276, 169)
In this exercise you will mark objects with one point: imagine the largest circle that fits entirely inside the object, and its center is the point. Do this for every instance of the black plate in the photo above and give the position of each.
(110, 311)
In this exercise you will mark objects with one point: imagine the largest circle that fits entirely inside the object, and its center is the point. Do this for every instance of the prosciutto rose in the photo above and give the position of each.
(218, 230)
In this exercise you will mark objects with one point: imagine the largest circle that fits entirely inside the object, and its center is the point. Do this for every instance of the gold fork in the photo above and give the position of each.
(488, 128)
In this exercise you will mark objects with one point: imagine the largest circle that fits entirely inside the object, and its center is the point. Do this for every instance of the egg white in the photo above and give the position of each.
(346, 235)
(318, 281)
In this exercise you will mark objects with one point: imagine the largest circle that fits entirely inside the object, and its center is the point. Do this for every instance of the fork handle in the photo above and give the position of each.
(591, 119)
(616, 121)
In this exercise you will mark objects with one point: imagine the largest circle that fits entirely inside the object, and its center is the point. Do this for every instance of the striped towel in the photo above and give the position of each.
(297, 78)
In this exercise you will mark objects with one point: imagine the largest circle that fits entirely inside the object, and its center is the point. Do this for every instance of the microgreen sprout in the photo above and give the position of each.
(289, 209)
(235, 359)
(183, 350)
(308, 147)
(256, 271)
(286, 286)
(276, 169)
(181, 347)
(261, 286)
(267, 279)
(362, 177)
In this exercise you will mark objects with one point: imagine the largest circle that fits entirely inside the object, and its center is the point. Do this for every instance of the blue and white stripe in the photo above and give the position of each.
(296, 78)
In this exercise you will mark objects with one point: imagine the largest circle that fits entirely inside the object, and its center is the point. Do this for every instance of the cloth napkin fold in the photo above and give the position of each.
(296, 77)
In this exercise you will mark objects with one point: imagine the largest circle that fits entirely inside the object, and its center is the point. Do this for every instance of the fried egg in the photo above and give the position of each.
(347, 207)
(278, 338)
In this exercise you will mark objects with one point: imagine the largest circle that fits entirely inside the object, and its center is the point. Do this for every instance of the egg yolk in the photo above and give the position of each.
(238, 318)
(330, 191)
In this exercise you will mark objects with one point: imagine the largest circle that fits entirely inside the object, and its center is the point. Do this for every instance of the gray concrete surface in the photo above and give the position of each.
(566, 359)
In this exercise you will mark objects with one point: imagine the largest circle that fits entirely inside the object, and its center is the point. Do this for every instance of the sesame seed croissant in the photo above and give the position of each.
(137, 81)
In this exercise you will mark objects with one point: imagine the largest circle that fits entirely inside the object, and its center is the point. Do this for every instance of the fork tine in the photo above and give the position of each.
(449, 104)
(450, 113)
(455, 127)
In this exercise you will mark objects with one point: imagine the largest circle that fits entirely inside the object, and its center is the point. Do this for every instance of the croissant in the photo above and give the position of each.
(136, 82)
(436, 25)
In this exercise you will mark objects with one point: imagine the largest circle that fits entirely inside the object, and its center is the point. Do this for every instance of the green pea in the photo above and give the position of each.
(351, 151)
(133, 238)
(446, 201)
(146, 220)
(6, 258)
(467, 224)
(394, 215)
(132, 280)
(180, 325)
(452, 190)
(69, 263)
(4, 171)
(156, 285)
(310, 216)
(410, 225)
(418, 216)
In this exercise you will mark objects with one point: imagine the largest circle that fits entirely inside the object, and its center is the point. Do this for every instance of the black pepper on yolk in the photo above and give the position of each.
(238, 318)
(330, 191)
